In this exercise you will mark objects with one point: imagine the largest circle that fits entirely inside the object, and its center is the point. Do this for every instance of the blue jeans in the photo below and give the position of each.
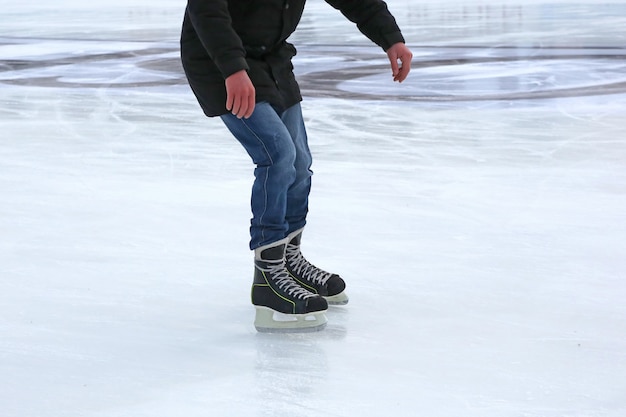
(277, 143)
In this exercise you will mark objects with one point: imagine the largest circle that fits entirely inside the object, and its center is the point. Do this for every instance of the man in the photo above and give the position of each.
(238, 64)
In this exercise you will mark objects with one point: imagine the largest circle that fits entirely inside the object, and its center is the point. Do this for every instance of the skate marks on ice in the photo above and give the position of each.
(453, 74)
(111, 64)
(440, 74)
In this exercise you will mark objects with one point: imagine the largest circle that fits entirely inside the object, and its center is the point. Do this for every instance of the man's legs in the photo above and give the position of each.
(330, 286)
(298, 192)
(277, 144)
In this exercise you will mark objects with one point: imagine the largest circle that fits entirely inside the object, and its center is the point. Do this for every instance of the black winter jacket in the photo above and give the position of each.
(221, 37)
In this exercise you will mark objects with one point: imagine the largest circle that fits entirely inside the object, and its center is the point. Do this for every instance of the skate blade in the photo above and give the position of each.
(337, 300)
(270, 321)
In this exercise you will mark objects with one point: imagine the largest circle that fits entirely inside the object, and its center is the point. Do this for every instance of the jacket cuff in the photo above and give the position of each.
(390, 39)
(231, 66)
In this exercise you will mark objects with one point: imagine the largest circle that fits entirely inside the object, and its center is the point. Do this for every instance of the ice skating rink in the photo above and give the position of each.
(477, 212)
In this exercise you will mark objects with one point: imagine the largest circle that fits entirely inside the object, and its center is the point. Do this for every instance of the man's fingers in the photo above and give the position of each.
(399, 52)
(394, 65)
(404, 70)
(241, 106)
(250, 107)
(229, 101)
(236, 109)
(240, 94)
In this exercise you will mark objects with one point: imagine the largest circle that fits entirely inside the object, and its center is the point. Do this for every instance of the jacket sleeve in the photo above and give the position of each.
(373, 20)
(213, 25)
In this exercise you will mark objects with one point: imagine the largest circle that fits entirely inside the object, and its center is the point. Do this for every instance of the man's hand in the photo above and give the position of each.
(399, 51)
(240, 94)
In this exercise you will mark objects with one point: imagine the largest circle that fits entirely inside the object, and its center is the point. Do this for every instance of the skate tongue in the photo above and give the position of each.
(272, 252)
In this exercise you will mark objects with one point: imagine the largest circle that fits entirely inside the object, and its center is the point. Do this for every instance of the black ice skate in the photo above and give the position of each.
(328, 285)
(281, 304)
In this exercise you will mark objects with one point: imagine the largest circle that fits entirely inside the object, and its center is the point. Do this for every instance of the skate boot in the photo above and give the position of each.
(281, 304)
(328, 285)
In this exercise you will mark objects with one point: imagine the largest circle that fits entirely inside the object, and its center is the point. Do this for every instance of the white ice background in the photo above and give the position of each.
(483, 241)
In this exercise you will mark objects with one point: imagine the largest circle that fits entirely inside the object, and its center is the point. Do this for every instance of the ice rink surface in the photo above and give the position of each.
(477, 212)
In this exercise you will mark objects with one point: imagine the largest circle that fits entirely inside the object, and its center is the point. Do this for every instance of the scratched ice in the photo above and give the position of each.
(477, 212)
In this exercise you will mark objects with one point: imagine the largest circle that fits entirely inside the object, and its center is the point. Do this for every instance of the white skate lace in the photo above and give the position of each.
(284, 281)
(304, 268)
